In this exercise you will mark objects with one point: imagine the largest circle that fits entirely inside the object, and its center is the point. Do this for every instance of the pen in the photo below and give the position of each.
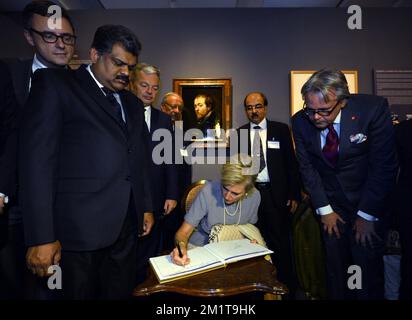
(180, 250)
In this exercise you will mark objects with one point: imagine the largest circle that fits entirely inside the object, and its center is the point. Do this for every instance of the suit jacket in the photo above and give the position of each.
(365, 172)
(19, 87)
(164, 175)
(8, 114)
(403, 190)
(281, 163)
(7, 128)
(79, 166)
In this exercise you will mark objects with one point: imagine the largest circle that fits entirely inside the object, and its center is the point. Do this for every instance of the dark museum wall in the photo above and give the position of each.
(257, 48)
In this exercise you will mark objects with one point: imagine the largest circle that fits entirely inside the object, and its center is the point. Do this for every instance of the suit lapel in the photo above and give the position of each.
(347, 127)
(154, 118)
(90, 86)
(131, 110)
(315, 140)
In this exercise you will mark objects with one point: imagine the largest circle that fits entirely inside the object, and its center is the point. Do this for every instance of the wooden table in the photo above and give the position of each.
(250, 275)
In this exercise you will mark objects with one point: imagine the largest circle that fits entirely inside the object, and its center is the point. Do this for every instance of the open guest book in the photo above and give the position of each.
(209, 257)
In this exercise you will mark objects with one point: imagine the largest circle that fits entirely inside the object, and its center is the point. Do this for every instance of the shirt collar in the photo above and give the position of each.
(37, 64)
(263, 124)
(88, 68)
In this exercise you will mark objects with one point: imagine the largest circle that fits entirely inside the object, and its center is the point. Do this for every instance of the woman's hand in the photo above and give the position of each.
(182, 259)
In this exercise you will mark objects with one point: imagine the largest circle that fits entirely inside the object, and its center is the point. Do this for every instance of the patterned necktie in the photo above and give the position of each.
(258, 152)
(116, 105)
(330, 149)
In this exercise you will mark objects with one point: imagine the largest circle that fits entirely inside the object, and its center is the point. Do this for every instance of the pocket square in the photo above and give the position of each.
(358, 138)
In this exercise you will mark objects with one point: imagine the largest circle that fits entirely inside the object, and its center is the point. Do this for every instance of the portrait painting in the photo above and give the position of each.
(207, 106)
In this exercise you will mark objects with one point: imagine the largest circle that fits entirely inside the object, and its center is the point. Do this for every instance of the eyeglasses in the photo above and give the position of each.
(258, 106)
(50, 37)
(322, 112)
(234, 194)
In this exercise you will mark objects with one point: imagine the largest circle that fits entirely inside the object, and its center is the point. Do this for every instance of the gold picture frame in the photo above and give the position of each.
(298, 79)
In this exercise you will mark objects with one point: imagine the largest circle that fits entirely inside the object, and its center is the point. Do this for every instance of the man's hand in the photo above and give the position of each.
(169, 205)
(1, 205)
(329, 222)
(364, 231)
(148, 222)
(40, 258)
(293, 205)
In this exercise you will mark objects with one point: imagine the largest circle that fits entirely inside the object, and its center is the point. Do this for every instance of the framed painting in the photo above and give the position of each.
(207, 105)
(298, 79)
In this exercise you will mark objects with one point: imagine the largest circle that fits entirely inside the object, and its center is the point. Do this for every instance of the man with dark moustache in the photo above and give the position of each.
(85, 192)
(277, 182)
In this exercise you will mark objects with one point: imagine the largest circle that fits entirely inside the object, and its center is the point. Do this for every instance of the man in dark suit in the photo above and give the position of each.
(346, 152)
(277, 181)
(403, 191)
(84, 188)
(145, 84)
(7, 126)
(53, 48)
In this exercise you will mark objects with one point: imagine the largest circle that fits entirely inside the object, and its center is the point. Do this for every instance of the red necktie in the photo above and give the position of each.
(330, 149)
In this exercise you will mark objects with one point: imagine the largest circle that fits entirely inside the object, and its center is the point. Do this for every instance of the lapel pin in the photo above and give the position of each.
(353, 117)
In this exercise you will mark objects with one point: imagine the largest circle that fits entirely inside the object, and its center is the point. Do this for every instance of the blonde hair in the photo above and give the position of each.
(234, 171)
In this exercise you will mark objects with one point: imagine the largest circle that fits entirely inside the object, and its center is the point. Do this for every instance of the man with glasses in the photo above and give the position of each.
(346, 152)
(53, 48)
(277, 180)
(145, 83)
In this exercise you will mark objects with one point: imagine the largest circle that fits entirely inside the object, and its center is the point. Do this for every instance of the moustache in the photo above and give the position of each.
(123, 78)
(254, 115)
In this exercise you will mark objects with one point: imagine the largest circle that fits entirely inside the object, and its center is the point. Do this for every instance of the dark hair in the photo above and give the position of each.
(108, 35)
(265, 100)
(41, 8)
(208, 100)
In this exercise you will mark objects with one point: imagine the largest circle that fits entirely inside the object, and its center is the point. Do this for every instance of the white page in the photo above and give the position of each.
(200, 259)
(234, 250)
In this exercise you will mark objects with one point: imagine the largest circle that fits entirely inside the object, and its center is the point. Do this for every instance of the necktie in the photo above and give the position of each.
(116, 105)
(330, 149)
(258, 152)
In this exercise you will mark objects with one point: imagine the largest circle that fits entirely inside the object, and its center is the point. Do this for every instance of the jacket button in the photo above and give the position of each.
(127, 178)
(129, 150)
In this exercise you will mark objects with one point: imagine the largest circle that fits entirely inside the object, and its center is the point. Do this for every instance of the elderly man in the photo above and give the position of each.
(346, 152)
